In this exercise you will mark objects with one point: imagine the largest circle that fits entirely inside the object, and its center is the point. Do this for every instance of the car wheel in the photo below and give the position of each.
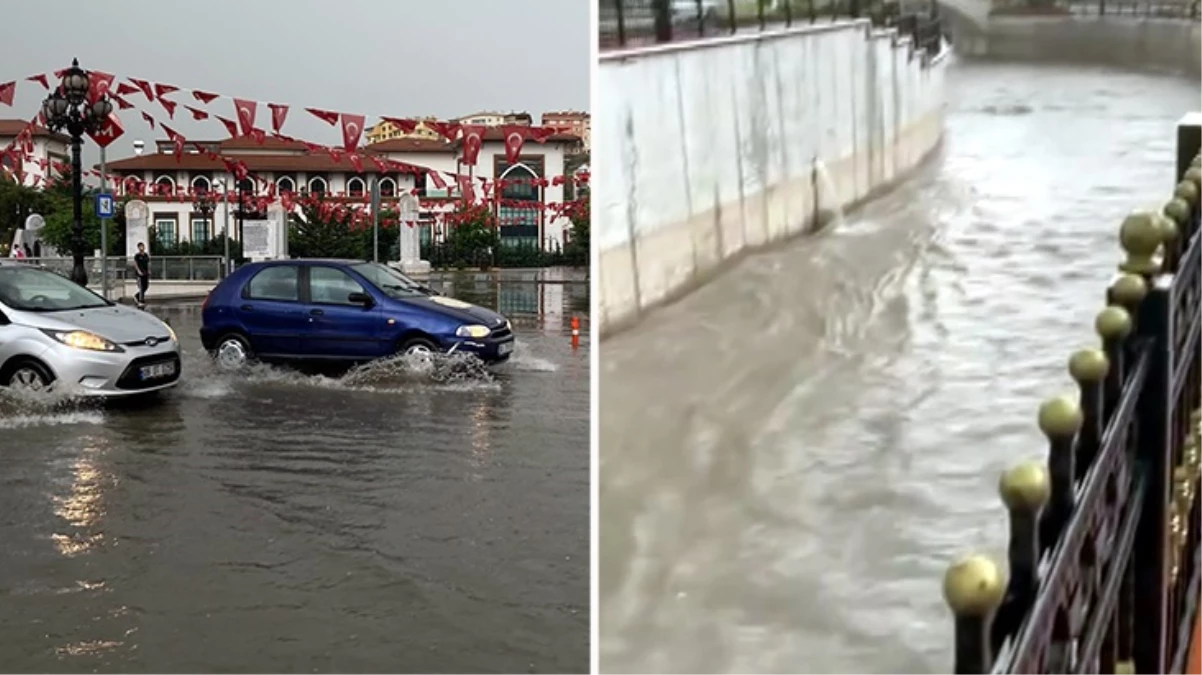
(28, 376)
(418, 347)
(233, 352)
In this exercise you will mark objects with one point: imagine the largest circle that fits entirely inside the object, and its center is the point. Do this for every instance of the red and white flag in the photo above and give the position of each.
(515, 136)
(473, 140)
(352, 131)
(246, 114)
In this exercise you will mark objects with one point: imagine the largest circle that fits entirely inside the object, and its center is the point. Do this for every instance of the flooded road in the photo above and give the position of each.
(791, 456)
(393, 520)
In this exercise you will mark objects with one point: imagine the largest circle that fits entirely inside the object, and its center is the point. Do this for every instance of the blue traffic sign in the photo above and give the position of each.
(105, 206)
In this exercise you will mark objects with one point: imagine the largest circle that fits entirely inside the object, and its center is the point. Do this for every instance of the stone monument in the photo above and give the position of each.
(410, 237)
(137, 227)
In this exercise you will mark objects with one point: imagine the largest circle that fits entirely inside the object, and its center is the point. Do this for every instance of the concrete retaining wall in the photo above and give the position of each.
(1128, 41)
(710, 148)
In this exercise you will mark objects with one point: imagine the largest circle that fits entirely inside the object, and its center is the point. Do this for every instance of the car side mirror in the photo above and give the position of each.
(360, 299)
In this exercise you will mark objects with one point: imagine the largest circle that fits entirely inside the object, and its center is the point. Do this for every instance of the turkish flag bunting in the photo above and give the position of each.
(352, 131)
(473, 140)
(7, 91)
(149, 120)
(356, 162)
(438, 181)
(36, 179)
(169, 106)
(406, 126)
(161, 90)
(246, 114)
(448, 130)
(177, 139)
(204, 96)
(259, 135)
(515, 136)
(335, 154)
(122, 103)
(541, 134)
(279, 113)
(196, 113)
(144, 87)
(330, 118)
(125, 89)
(381, 165)
(467, 189)
(313, 147)
(98, 85)
(111, 131)
(40, 79)
(230, 125)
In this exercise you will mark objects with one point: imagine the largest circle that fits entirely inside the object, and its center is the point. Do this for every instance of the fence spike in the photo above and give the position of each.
(1025, 490)
(973, 587)
(1187, 190)
(1140, 237)
(1060, 418)
(1089, 367)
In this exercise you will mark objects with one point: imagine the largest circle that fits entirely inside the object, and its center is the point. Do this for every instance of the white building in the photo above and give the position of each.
(42, 151)
(292, 167)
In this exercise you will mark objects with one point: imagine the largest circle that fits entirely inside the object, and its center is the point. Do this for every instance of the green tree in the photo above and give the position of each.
(16, 203)
(57, 209)
(473, 238)
(577, 252)
(324, 229)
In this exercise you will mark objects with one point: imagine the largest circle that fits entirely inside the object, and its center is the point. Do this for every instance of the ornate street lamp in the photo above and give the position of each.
(67, 108)
(205, 205)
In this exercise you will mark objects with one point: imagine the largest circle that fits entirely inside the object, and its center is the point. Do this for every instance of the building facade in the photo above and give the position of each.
(42, 151)
(386, 131)
(281, 167)
(571, 122)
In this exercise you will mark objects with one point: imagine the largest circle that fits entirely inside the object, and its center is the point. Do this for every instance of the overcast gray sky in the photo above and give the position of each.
(406, 58)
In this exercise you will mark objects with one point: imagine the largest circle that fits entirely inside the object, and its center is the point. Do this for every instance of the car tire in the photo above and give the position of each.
(417, 346)
(233, 352)
(27, 375)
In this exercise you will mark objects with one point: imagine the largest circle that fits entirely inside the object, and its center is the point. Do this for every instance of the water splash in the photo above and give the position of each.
(57, 406)
(825, 193)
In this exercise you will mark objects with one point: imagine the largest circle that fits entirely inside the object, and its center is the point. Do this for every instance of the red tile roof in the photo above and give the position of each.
(10, 128)
(316, 162)
(411, 145)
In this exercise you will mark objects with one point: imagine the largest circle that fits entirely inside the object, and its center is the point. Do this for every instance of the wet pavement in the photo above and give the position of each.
(791, 456)
(395, 519)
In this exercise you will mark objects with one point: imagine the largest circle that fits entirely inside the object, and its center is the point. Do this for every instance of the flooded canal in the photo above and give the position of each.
(392, 520)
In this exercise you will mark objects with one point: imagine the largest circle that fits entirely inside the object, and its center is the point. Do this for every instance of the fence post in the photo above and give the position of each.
(620, 5)
(759, 10)
(663, 20)
(1141, 237)
(973, 588)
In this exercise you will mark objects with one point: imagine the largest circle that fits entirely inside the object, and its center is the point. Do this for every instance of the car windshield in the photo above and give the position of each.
(391, 281)
(35, 290)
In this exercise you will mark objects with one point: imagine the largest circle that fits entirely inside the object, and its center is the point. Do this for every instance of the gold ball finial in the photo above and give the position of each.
(1060, 416)
(973, 586)
(1113, 323)
(1194, 175)
(1140, 237)
(1129, 289)
(1177, 209)
(1188, 191)
(1168, 228)
(1088, 366)
(1025, 487)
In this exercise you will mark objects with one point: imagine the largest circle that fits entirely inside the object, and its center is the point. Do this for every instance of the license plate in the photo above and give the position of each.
(154, 372)
(504, 348)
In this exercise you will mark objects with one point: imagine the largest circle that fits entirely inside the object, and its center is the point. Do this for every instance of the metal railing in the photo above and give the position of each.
(162, 268)
(631, 23)
(1104, 554)
(1161, 9)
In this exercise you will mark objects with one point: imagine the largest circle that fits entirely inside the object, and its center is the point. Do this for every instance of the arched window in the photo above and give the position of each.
(130, 185)
(519, 222)
(246, 186)
(354, 187)
(285, 184)
(387, 187)
(201, 184)
(164, 185)
(317, 185)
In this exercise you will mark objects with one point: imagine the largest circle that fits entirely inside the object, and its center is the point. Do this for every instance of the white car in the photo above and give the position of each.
(55, 333)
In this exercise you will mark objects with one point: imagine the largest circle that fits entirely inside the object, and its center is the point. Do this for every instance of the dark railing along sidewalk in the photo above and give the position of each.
(1163, 9)
(1104, 555)
(632, 23)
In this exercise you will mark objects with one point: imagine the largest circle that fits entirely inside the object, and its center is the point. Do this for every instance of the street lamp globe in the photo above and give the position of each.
(102, 108)
(75, 83)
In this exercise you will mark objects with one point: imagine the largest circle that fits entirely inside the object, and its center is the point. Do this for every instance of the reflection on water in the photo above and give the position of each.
(408, 515)
(791, 455)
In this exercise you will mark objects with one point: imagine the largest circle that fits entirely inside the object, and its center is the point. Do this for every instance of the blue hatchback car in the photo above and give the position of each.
(341, 310)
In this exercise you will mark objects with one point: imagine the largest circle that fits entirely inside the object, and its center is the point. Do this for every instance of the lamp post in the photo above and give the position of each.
(69, 109)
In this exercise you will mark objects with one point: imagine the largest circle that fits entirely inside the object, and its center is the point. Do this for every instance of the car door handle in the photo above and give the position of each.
(246, 308)
(316, 312)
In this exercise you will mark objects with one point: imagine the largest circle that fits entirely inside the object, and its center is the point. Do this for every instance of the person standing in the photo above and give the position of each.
(142, 272)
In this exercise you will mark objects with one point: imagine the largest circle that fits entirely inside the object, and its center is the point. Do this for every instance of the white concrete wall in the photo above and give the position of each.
(710, 148)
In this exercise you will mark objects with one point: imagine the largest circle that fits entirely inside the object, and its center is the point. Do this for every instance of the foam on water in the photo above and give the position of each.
(522, 359)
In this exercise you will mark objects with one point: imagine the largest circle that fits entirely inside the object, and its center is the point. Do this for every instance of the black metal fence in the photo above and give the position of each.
(1104, 554)
(1160, 9)
(632, 23)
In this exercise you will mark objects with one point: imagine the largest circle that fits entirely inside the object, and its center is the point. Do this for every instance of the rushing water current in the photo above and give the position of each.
(791, 456)
(399, 518)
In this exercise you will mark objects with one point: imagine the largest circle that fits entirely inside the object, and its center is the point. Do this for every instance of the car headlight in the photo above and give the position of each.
(473, 331)
(82, 339)
(171, 332)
